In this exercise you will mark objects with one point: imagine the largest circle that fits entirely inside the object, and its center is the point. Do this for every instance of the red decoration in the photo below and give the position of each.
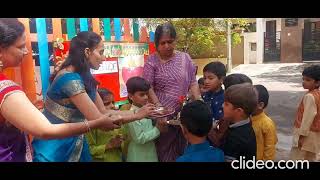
(61, 48)
(182, 99)
(152, 48)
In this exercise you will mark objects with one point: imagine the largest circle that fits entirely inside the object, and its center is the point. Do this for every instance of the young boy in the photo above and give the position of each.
(264, 127)
(196, 122)
(217, 134)
(106, 145)
(213, 74)
(236, 78)
(306, 131)
(239, 103)
(141, 132)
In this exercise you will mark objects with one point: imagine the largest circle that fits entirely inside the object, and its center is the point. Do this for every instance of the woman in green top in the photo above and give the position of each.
(106, 145)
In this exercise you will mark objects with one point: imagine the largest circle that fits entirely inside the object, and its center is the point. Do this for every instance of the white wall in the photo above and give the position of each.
(248, 38)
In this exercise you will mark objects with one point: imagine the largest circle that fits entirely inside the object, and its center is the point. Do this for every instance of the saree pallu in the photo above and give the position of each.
(59, 109)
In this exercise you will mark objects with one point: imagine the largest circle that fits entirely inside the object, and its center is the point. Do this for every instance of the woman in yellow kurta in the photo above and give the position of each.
(106, 145)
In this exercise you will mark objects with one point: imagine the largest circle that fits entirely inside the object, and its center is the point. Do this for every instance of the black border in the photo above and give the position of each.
(143, 171)
(152, 9)
(160, 8)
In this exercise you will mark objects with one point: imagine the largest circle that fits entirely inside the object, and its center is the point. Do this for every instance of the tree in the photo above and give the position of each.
(200, 37)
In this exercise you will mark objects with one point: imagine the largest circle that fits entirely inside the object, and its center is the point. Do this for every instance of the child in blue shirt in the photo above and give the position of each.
(196, 122)
(214, 74)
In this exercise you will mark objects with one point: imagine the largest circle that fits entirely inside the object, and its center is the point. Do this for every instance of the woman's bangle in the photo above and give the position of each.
(87, 125)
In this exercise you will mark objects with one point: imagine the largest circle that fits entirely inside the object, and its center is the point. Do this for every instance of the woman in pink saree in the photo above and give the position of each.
(171, 74)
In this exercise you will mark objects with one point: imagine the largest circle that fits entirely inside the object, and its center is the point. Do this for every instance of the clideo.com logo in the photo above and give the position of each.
(242, 163)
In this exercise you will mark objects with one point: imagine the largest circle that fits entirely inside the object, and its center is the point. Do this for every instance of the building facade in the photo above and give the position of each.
(282, 40)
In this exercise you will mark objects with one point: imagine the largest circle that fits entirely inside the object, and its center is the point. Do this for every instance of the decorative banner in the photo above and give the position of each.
(113, 49)
(129, 66)
(43, 54)
(110, 81)
(83, 24)
(106, 67)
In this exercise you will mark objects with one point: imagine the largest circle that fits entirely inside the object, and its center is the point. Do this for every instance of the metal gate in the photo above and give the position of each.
(272, 46)
(311, 41)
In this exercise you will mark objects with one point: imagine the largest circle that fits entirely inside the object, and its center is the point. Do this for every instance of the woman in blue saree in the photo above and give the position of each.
(73, 97)
(59, 109)
(18, 116)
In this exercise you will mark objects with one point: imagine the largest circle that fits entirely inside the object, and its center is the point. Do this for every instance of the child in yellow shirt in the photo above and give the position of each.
(264, 128)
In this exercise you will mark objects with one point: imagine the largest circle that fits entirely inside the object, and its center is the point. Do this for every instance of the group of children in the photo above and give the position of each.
(226, 124)
(241, 126)
(133, 142)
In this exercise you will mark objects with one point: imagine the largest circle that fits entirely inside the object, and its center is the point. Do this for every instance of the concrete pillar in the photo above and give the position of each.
(291, 42)
(261, 28)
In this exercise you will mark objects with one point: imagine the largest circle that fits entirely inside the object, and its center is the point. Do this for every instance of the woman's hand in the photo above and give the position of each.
(145, 111)
(158, 104)
(110, 122)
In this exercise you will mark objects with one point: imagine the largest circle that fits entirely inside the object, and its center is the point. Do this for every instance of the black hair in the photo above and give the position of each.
(201, 81)
(10, 30)
(137, 83)
(263, 94)
(236, 78)
(103, 92)
(166, 28)
(242, 96)
(196, 117)
(78, 59)
(312, 72)
(217, 68)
